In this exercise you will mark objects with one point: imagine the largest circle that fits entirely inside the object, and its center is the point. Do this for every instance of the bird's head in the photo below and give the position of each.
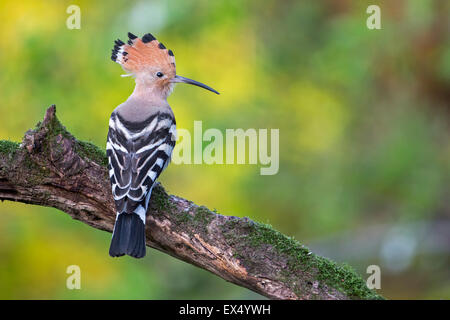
(151, 64)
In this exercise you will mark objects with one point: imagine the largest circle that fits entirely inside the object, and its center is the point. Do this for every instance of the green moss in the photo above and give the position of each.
(160, 199)
(86, 150)
(258, 234)
(199, 218)
(262, 233)
(198, 221)
(341, 277)
(344, 278)
(55, 128)
(203, 216)
(8, 147)
(182, 218)
(35, 173)
(299, 259)
(90, 151)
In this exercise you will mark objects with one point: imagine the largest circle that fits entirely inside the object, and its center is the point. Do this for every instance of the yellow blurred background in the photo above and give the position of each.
(364, 134)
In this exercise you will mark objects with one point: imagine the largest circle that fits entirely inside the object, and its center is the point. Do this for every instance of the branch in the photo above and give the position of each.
(52, 168)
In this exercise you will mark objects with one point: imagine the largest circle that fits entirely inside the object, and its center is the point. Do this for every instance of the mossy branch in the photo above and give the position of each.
(52, 168)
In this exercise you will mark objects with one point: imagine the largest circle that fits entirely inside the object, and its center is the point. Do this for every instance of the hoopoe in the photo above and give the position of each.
(141, 137)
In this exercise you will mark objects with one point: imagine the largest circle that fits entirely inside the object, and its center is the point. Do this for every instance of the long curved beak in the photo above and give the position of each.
(178, 78)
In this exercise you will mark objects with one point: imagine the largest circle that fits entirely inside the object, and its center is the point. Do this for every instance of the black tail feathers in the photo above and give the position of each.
(128, 236)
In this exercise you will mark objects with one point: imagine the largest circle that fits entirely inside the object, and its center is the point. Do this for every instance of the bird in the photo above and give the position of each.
(141, 137)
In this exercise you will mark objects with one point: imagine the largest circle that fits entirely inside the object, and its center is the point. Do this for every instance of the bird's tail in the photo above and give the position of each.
(128, 236)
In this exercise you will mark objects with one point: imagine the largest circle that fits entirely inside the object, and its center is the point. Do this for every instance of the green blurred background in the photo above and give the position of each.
(364, 134)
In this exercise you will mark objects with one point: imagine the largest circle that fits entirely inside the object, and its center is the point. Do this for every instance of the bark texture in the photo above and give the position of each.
(52, 168)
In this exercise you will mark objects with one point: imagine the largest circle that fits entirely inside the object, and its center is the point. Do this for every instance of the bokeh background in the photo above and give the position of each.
(364, 134)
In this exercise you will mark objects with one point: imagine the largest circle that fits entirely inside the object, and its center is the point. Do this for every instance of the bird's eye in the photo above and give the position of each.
(159, 74)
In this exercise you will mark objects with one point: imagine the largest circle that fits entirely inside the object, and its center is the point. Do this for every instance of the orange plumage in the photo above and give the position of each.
(141, 54)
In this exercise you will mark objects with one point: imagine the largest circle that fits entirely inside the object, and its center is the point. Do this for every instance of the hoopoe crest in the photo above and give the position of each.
(146, 58)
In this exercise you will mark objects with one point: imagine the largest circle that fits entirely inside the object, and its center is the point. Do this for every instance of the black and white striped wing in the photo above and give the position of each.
(137, 154)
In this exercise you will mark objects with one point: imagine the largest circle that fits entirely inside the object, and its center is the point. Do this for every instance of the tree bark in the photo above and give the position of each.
(52, 168)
